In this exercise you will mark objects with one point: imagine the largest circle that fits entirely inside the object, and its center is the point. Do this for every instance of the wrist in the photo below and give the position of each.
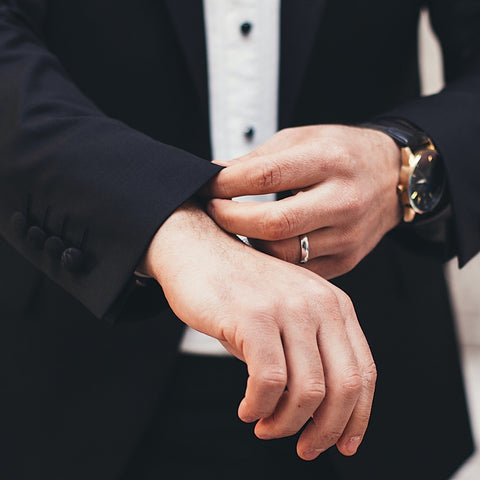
(387, 158)
(167, 236)
(179, 241)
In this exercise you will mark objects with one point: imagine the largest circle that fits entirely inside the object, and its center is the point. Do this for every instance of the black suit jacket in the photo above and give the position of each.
(104, 132)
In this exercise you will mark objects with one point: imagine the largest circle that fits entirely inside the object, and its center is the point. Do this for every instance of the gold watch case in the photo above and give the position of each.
(421, 181)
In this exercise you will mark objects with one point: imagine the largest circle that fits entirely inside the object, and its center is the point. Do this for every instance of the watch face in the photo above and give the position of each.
(426, 182)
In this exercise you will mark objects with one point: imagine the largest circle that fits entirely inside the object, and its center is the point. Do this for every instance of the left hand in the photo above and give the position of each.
(308, 361)
(345, 199)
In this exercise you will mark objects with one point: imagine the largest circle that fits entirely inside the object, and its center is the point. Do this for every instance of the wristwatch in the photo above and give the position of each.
(422, 175)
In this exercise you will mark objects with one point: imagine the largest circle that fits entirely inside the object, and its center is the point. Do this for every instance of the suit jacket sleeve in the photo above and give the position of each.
(452, 117)
(86, 186)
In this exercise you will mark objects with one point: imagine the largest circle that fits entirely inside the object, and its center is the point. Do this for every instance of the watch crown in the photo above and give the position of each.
(408, 214)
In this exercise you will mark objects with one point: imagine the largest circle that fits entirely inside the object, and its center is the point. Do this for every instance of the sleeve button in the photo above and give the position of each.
(54, 246)
(72, 259)
(36, 237)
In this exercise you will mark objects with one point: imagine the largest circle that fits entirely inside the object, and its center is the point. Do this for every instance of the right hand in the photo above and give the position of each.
(308, 360)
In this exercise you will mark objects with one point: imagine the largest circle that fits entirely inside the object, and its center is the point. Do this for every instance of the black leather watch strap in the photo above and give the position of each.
(404, 133)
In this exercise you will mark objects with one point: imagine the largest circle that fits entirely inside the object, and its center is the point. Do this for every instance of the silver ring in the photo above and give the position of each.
(304, 248)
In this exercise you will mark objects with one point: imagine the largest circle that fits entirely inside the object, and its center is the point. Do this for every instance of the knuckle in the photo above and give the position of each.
(352, 383)
(325, 299)
(349, 237)
(301, 306)
(335, 303)
(354, 203)
(276, 224)
(329, 296)
(273, 378)
(326, 292)
(267, 177)
(341, 153)
(330, 438)
(361, 423)
(262, 412)
(314, 392)
(369, 376)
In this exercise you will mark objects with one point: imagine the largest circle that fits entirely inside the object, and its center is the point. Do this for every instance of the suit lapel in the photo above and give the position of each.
(187, 19)
(300, 21)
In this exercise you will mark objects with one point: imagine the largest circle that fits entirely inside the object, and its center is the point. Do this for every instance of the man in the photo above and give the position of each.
(85, 192)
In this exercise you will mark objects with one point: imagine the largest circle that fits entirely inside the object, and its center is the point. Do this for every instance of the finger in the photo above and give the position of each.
(267, 378)
(325, 241)
(344, 385)
(358, 423)
(258, 174)
(280, 142)
(356, 427)
(306, 211)
(306, 384)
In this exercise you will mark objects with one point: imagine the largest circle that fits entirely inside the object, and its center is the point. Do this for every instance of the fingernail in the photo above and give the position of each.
(312, 453)
(353, 444)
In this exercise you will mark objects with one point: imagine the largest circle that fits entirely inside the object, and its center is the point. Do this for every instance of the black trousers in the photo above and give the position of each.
(196, 432)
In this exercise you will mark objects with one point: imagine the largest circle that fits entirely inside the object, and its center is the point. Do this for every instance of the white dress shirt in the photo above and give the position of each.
(243, 44)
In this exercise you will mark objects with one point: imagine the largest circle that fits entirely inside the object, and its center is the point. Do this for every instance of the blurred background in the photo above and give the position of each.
(464, 283)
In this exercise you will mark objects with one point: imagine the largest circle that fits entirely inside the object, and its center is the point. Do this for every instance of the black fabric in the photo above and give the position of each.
(419, 387)
(197, 434)
(104, 132)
